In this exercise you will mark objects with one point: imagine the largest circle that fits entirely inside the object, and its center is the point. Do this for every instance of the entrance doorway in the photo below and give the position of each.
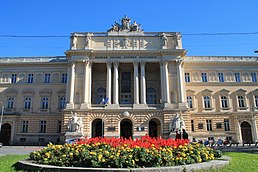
(246, 132)
(126, 129)
(97, 128)
(5, 135)
(154, 128)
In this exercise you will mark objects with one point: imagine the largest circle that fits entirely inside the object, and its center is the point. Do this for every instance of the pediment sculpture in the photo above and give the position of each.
(125, 26)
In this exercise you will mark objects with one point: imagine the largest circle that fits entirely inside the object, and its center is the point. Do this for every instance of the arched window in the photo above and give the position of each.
(61, 102)
(101, 95)
(44, 103)
(10, 102)
(207, 102)
(151, 96)
(224, 102)
(27, 103)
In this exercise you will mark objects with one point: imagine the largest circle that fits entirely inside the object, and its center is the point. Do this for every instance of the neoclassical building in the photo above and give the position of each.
(127, 82)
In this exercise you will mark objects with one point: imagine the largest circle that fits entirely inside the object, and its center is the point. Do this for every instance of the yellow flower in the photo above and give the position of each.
(71, 154)
(47, 155)
(92, 153)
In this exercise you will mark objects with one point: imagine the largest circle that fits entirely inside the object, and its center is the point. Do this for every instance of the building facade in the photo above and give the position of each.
(128, 83)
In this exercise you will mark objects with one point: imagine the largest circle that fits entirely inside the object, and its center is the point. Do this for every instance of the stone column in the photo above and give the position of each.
(70, 84)
(89, 82)
(181, 96)
(108, 86)
(136, 83)
(115, 83)
(161, 82)
(86, 85)
(143, 83)
(166, 83)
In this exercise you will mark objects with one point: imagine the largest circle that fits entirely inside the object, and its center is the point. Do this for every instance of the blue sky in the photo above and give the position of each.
(53, 17)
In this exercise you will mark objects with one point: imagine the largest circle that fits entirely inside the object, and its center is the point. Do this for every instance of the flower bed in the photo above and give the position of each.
(123, 153)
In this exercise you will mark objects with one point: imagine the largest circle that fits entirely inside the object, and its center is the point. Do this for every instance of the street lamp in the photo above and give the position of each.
(255, 51)
(2, 112)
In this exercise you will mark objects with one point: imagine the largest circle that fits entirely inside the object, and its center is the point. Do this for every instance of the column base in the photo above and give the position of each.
(70, 106)
(84, 106)
(112, 106)
(182, 106)
(140, 106)
(167, 105)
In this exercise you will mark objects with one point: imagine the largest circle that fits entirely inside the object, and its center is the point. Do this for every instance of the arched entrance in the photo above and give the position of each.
(246, 132)
(5, 135)
(97, 128)
(154, 128)
(126, 128)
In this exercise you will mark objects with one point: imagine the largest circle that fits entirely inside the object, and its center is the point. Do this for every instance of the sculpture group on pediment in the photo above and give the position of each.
(125, 26)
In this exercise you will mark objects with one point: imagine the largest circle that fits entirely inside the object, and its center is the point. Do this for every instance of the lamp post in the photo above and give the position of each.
(2, 112)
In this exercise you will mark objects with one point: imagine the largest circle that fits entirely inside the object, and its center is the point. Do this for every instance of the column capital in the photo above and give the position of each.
(109, 64)
(143, 63)
(179, 61)
(164, 62)
(116, 64)
(136, 63)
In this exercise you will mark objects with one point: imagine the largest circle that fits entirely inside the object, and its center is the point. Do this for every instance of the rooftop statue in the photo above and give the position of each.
(125, 26)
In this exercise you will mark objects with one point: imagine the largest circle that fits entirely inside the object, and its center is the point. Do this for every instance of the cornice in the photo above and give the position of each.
(221, 60)
(160, 52)
(189, 84)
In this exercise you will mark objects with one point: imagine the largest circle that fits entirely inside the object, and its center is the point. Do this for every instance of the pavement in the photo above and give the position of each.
(18, 150)
(24, 150)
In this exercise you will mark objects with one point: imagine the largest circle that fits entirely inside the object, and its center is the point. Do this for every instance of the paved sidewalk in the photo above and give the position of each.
(247, 149)
(20, 150)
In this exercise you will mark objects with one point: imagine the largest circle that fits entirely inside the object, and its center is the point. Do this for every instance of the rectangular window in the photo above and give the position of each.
(192, 125)
(47, 78)
(218, 125)
(27, 102)
(254, 78)
(43, 126)
(221, 77)
(10, 102)
(187, 77)
(14, 78)
(25, 125)
(30, 78)
(224, 102)
(209, 125)
(204, 77)
(256, 101)
(44, 103)
(241, 101)
(64, 78)
(226, 124)
(200, 125)
(61, 103)
(190, 101)
(207, 102)
(237, 77)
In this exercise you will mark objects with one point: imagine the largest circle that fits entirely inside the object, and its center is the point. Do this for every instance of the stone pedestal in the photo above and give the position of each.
(172, 135)
(73, 135)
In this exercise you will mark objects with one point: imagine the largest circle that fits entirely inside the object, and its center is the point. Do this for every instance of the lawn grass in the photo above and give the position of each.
(7, 162)
(241, 162)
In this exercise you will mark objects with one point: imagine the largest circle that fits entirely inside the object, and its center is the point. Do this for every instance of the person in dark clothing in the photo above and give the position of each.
(185, 135)
(178, 135)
